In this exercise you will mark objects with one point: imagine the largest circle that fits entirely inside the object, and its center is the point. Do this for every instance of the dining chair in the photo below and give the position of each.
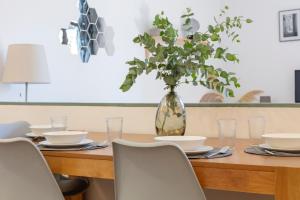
(72, 188)
(153, 171)
(24, 172)
(14, 129)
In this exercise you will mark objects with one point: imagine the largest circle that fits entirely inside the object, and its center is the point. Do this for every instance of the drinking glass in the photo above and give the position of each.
(256, 128)
(58, 123)
(114, 128)
(227, 131)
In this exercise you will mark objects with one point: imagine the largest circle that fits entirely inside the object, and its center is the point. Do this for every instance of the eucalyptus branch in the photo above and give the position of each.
(174, 62)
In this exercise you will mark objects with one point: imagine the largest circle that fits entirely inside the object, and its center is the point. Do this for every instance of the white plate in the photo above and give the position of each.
(82, 143)
(268, 147)
(198, 150)
(185, 142)
(32, 135)
(283, 140)
(65, 137)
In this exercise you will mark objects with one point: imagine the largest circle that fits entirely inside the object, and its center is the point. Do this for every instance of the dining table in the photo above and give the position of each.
(240, 172)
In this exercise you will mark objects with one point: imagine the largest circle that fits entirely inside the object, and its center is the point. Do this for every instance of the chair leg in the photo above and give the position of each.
(75, 197)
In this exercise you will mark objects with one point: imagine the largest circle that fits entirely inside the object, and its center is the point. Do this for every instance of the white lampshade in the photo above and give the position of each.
(26, 63)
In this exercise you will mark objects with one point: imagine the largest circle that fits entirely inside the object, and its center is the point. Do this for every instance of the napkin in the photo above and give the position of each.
(261, 151)
(206, 155)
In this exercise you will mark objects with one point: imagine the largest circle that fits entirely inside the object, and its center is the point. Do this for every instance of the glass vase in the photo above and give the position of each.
(170, 117)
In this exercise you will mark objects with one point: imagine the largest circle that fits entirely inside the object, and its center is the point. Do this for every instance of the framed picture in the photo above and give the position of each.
(289, 25)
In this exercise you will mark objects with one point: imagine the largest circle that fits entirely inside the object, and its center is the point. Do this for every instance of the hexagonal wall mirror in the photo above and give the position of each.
(87, 35)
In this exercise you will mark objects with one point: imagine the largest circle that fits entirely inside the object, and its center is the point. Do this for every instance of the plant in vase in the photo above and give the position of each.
(187, 63)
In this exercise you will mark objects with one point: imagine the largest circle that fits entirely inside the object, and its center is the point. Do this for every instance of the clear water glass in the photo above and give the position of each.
(114, 127)
(256, 128)
(227, 131)
(59, 122)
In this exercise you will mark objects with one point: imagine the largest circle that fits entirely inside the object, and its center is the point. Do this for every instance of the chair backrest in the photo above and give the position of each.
(15, 129)
(24, 173)
(157, 171)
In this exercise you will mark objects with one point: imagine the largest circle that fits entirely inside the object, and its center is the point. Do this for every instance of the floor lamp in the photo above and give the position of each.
(26, 64)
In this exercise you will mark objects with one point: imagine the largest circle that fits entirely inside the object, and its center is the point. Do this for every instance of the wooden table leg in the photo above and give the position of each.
(287, 184)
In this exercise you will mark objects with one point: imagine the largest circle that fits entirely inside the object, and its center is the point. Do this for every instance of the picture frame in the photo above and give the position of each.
(289, 25)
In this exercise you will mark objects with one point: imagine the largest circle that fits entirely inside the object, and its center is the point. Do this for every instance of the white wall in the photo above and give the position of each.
(35, 21)
(266, 63)
(200, 120)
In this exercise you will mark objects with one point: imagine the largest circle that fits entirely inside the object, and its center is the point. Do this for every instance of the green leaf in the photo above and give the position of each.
(133, 71)
(132, 62)
(188, 45)
(222, 28)
(233, 79)
(214, 37)
(224, 74)
(204, 37)
(125, 87)
(230, 93)
(211, 29)
(228, 20)
(127, 84)
(249, 21)
(158, 75)
(217, 29)
(219, 52)
(139, 71)
(194, 76)
(235, 37)
(137, 39)
(231, 57)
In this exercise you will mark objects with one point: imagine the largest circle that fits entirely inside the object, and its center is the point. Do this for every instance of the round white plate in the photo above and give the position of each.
(82, 143)
(32, 135)
(268, 147)
(199, 149)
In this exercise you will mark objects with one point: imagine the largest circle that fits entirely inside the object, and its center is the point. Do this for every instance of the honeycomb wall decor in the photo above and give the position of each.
(87, 35)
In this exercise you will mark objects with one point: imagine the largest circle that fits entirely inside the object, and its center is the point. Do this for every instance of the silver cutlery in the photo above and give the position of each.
(269, 152)
(93, 147)
(275, 152)
(223, 150)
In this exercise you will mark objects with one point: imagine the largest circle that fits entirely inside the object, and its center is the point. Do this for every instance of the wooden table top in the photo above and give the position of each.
(241, 172)
(239, 159)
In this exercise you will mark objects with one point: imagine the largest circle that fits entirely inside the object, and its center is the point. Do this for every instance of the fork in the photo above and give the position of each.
(223, 150)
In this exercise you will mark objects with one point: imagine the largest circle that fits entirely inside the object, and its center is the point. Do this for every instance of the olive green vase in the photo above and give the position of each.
(170, 116)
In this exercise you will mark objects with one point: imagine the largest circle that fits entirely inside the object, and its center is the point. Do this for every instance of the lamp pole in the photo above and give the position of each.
(26, 92)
